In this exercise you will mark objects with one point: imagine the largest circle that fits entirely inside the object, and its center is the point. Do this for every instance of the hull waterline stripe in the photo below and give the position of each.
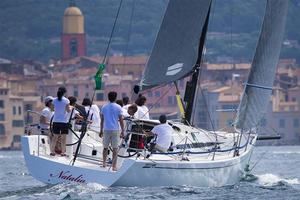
(198, 168)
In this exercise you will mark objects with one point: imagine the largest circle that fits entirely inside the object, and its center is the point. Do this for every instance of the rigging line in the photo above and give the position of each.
(112, 31)
(150, 108)
(128, 35)
(260, 159)
(204, 99)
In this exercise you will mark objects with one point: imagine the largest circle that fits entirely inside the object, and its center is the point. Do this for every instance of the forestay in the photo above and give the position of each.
(260, 81)
(175, 51)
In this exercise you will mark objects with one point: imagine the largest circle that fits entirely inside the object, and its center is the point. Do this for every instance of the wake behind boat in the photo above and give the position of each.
(196, 157)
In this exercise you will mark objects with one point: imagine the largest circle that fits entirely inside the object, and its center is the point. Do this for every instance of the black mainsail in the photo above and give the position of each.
(260, 81)
(176, 49)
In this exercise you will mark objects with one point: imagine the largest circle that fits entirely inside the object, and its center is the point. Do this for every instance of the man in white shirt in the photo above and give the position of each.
(94, 115)
(143, 111)
(46, 115)
(163, 133)
(111, 122)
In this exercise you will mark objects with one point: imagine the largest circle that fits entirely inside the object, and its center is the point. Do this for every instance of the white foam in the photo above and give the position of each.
(271, 179)
(71, 189)
(96, 186)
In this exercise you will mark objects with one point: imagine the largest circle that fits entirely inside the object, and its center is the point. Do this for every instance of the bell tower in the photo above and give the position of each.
(73, 36)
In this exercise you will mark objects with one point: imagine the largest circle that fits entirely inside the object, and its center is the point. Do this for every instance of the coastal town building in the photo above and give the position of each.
(217, 99)
(16, 96)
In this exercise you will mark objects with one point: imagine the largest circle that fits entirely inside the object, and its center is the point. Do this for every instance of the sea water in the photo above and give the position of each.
(276, 176)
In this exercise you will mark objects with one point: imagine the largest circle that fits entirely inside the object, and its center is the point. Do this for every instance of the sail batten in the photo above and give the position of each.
(176, 47)
(258, 89)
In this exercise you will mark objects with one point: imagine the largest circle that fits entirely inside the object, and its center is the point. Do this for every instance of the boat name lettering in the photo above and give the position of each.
(66, 175)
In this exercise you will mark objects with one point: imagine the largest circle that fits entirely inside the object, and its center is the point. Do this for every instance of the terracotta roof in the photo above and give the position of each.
(15, 97)
(71, 61)
(116, 79)
(243, 65)
(84, 72)
(133, 60)
(294, 88)
(96, 59)
(229, 98)
(221, 89)
(287, 61)
(77, 81)
(219, 66)
(288, 103)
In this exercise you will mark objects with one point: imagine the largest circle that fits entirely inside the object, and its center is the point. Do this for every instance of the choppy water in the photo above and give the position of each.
(277, 172)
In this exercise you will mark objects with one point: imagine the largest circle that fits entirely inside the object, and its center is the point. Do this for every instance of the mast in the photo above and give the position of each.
(191, 86)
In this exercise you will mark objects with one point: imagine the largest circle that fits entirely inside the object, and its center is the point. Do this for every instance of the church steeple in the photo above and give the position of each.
(73, 35)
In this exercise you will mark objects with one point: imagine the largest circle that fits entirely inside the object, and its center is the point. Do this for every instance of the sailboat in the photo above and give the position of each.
(198, 157)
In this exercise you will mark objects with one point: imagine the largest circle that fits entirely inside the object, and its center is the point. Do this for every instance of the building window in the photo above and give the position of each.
(28, 107)
(73, 48)
(281, 123)
(17, 123)
(1, 104)
(130, 73)
(20, 110)
(17, 138)
(2, 117)
(14, 110)
(87, 86)
(171, 100)
(229, 107)
(75, 93)
(99, 97)
(296, 123)
(2, 129)
(157, 93)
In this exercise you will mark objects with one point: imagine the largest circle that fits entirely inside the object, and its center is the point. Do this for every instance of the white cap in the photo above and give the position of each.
(48, 98)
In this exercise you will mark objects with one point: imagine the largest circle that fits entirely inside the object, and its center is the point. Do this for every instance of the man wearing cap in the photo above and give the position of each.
(46, 115)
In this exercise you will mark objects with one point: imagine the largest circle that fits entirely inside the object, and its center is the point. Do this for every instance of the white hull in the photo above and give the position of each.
(159, 171)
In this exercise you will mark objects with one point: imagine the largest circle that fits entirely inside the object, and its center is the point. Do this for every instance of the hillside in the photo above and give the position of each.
(31, 29)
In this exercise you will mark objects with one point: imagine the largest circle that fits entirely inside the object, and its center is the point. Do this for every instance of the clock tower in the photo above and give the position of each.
(73, 36)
